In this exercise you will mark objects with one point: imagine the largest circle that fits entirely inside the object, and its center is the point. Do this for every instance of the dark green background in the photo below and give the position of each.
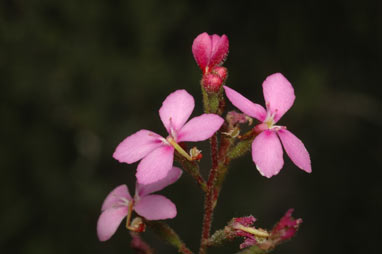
(77, 77)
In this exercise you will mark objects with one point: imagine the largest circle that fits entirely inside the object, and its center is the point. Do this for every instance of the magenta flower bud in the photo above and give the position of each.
(286, 228)
(221, 72)
(212, 82)
(210, 50)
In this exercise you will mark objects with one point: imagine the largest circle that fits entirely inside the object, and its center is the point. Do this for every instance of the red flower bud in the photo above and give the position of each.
(221, 72)
(209, 50)
(212, 82)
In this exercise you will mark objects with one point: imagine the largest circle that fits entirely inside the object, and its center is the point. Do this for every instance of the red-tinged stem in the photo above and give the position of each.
(210, 196)
(185, 250)
(214, 155)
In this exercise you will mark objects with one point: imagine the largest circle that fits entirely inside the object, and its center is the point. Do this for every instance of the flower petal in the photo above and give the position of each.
(200, 128)
(246, 106)
(267, 153)
(155, 207)
(278, 94)
(201, 49)
(295, 150)
(171, 177)
(114, 197)
(109, 221)
(219, 50)
(156, 165)
(136, 146)
(176, 109)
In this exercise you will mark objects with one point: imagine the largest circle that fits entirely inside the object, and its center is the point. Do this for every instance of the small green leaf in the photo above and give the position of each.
(240, 149)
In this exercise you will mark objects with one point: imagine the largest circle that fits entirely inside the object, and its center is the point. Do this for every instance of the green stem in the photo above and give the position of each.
(166, 233)
(205, 98)
(192, 167)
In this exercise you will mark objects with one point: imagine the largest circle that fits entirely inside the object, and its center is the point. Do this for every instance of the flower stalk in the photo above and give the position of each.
(165, 232)
(192, 167)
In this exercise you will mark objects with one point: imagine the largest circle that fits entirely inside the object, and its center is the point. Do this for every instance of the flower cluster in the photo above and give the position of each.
(156, 155)
(155, 171)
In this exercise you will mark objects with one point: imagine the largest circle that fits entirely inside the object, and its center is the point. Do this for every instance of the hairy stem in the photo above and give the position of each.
(206, 103)
(166, 233)
(210, 197)
(192, 168)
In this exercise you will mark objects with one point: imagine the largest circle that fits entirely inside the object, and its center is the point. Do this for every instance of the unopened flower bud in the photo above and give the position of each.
(221, 72)
(210, 50)
(212, 82)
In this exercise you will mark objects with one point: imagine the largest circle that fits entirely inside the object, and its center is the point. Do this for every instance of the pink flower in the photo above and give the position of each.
(209, 50)
(267, 152)
(118, 204)
(157, 153)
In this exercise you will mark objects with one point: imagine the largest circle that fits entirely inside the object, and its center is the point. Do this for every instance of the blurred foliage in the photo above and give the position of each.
(79, 76)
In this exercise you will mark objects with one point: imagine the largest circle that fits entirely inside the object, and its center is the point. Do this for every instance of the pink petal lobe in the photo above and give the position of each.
(219, 49)
(201, 49)
(114, 197)
(156, 165)
(155, 207)
(278, 94)
(176, 109)
(172, 176)
(267, 153)
(136, 146)
(109, 221)
(246, 106)
(200, 128)
(295, 150)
